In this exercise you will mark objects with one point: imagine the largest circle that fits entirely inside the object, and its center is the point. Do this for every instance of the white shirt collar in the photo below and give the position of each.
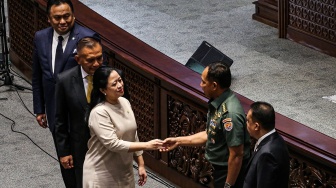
(84, 74)
(263, 137)
(65, 37)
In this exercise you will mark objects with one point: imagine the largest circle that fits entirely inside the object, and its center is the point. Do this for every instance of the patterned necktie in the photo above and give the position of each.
(89, 87)
(58, 56)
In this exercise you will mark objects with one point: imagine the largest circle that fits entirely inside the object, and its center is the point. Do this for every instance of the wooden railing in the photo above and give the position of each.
(167, 101)
(309, 22)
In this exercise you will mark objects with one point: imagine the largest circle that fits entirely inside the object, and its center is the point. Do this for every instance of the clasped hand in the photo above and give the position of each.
(163, 145)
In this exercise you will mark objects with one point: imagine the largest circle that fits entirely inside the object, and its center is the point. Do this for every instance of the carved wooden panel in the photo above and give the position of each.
(304, 175)
(41, 23)
(184, 120)
(21, 19)
(316, 17)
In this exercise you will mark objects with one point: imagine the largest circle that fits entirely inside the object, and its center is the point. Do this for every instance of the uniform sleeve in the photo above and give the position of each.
(101, 124)
(233, 127)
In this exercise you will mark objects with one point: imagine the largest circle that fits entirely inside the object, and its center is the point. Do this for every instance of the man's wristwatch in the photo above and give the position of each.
(227, 185)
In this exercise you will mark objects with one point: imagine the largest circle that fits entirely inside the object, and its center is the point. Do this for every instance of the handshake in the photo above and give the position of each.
(162, 145)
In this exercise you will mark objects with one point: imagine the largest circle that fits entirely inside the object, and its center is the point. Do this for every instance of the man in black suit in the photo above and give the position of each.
(269, 164)
(72, 90)
(46, 66)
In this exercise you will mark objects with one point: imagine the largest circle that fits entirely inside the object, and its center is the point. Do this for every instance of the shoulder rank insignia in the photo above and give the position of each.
(224, 108)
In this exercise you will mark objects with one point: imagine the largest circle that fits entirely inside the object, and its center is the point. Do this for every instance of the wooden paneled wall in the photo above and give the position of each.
(167, 101)
(25, 18)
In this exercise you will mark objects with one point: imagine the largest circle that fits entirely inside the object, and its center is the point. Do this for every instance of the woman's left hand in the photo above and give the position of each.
(142, 176)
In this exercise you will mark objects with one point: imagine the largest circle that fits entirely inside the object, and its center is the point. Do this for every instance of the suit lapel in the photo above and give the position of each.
(251, 159)
(70, 47)
(71, 44)
(79, 90)
(259, 147)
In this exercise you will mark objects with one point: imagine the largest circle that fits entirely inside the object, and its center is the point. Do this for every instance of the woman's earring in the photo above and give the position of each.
(104, 93)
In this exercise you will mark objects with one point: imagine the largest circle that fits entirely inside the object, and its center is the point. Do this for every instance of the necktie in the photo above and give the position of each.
(89, 88)
(58, 56)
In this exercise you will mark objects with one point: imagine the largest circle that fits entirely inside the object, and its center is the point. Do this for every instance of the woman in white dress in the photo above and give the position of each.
(114, 142)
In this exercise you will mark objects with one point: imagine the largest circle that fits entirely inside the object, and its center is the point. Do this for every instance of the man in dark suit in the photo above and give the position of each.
(269, 164)
(72, 99)
(46, 66)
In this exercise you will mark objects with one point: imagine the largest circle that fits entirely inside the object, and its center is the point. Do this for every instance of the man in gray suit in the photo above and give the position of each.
(269, 164)
(72, 91)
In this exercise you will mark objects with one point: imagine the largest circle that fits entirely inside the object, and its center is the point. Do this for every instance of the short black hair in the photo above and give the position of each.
(88, 42)
(220, 73)
(100, 81)
(50, 3)
(263, 113)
